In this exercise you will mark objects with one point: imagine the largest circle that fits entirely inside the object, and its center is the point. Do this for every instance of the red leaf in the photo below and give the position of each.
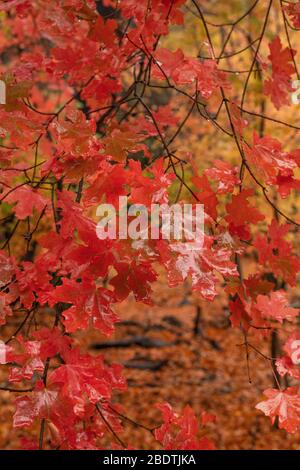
(134, 277)
(180, 432)
(276, 253)
(85, 379)
(184, 259)
(38, 405)
(278, 87)
(276, 306)
(27, 199)
(241, 213)
(186, 70)
(268, 158)
(284, 404)
(293, 10)
(289, 364)
(90, 305)
(206, 195)
(225, 175)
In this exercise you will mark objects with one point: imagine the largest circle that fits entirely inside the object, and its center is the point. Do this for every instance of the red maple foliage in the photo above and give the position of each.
(80, 127)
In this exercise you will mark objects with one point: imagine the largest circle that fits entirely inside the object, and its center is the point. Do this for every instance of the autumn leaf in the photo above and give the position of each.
(268, 158)
(285, 404)
(293, 10)
(27, 199)
(39, 405)
(240, 213)
(276, 306)
(180, 431)
(226, 176)
(278, 87)
(92, 308)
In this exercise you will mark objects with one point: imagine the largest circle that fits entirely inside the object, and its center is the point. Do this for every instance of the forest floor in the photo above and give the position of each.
(165, 359)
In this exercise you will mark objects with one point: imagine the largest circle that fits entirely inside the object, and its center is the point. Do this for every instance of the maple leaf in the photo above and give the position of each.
(167, 63)
(72, 218)
(285, 404)
(99, 91)
(256, 285)
(29, 361)
(292, 347)
(56, 248)
(122, 141)
(30, 355)
(145, 190)
(23, 130)
(286, 183)
(81, 60)
(200, 262)
(268, 158)
(165, 117)
(16, 92)
(80, 88)
(18, 4)
(245, 314)
(75, 133)
(154, 21)
(238, 121)
(185, 70)
(206, 195)
(284, 365)
(208, 78)
(240, 213)
(288, 364)
(293, 10)
(90, 262)
(103, 31)
(110, 180)
(85, 377)
(33, 280)
(180, 431)
(276, 306)
(240, 315)
(225, 175)
(52, 342)
(27, 199)
(89, 305)
(277, 253)
(38, 405)
(134, 277)
(278, 87)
